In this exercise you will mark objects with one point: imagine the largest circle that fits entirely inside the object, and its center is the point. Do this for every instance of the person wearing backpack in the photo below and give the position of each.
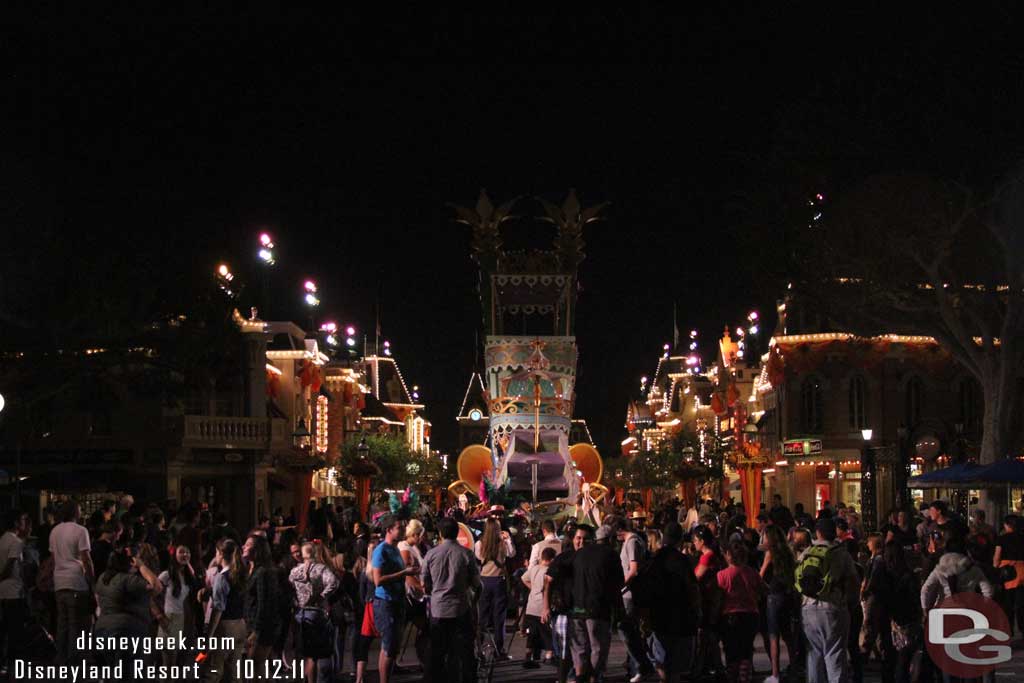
(827, 581)
(631, 556)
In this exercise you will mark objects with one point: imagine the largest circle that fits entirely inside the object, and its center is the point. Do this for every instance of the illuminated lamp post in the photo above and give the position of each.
(868, 506)
(311, 299)
(361, 471)
(265, 255)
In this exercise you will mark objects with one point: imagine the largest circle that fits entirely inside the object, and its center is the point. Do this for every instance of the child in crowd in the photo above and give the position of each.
(538, 634)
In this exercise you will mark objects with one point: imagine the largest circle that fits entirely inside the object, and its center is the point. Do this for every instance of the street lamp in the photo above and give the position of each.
(867, 483)
(903, 473)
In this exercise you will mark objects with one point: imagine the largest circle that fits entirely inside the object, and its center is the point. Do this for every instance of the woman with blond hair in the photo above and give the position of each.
(314, 584)
(492, 550)
(414, 593)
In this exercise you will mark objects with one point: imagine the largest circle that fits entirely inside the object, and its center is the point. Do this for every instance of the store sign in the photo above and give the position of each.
(801, 447)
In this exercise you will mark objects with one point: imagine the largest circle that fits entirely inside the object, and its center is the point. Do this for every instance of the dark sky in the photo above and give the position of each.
(346, 136)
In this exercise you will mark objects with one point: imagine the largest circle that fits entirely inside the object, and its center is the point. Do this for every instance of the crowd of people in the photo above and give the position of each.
(687, 589)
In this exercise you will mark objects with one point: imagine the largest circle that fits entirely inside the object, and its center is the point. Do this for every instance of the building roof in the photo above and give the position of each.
(475, 397)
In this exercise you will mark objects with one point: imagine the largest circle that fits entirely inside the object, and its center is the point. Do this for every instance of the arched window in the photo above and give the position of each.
(969, 402)
(857, 398)
(811, 406)
(913, 401)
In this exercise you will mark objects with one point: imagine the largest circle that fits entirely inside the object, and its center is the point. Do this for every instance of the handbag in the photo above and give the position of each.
(368, 630)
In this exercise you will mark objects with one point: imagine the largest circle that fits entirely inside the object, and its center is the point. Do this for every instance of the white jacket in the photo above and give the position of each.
(969, 578)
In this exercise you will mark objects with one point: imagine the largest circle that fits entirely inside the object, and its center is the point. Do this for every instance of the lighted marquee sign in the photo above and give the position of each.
(801, 447)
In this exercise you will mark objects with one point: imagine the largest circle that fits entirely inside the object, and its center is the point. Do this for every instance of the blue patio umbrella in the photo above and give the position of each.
(961, 475)
(1003, 472)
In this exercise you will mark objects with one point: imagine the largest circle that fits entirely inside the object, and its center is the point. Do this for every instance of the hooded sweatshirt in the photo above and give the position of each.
(969, 579)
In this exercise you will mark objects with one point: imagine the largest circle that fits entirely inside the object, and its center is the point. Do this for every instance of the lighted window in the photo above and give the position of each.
(321, 424)
(857, 401)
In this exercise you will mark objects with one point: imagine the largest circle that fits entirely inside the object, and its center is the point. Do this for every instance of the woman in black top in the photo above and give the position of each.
(261, 600)
(895, 589)
(1009, 553)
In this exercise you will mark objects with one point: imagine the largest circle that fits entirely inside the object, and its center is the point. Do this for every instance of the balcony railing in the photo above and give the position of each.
(234, 432)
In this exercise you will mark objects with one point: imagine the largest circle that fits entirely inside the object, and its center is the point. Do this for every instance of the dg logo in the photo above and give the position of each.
(967, 635)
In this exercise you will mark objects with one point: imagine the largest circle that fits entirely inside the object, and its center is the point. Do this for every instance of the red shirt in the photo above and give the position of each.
(740, 584)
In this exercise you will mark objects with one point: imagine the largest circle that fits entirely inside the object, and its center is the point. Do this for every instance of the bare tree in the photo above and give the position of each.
(912, 255)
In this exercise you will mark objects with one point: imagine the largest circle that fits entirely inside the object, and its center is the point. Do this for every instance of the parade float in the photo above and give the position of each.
(529, 460)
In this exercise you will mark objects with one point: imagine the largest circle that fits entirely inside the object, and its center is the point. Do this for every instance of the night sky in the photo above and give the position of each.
(345, 137)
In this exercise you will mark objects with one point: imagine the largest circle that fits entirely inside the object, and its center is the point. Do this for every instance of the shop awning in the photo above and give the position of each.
(955, 476)
(1005, 472)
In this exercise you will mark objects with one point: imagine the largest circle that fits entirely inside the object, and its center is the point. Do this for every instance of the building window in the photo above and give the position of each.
(913, 401)
(811, 406)
(857, 399)
(969, 398)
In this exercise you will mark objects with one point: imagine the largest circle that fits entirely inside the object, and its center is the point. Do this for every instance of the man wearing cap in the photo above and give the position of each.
(826, 619)
(596, 591)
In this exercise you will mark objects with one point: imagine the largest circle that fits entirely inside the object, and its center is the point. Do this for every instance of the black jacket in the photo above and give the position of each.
(676, 605)
(597, 582)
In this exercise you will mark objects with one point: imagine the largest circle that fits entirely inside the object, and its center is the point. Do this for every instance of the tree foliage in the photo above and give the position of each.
(913, 255)
(399, 466)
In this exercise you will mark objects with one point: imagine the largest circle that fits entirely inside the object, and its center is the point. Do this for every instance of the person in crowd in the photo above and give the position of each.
(827, 579)
(900, 530)
(801, 518)
(779, 514)
(362, 569)
(449, 572)
(14, 610)
(668, 589)
(180, 586)
(954, 573)
(1009, 552)
(102, 547)
(777, 572)
(558, 599)
(123, 592)
(73, 577)
(875, 613)
(416, 607)
(227, 611)
(189, 534)
(261, 599)
(314, 583)
(799, 540)
(898, 589)
(360, 539)
(709, 562)
(654, 541)
(389, 572)
(549, 540)
(596, 592)
(492, 551)
(538, 634)
(631, 555)
(101, 516)
(741, 587)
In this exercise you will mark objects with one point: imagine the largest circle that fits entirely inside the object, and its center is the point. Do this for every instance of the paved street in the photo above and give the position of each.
(514, 671)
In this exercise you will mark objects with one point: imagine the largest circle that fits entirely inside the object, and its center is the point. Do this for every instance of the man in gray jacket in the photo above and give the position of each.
(826, 619)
